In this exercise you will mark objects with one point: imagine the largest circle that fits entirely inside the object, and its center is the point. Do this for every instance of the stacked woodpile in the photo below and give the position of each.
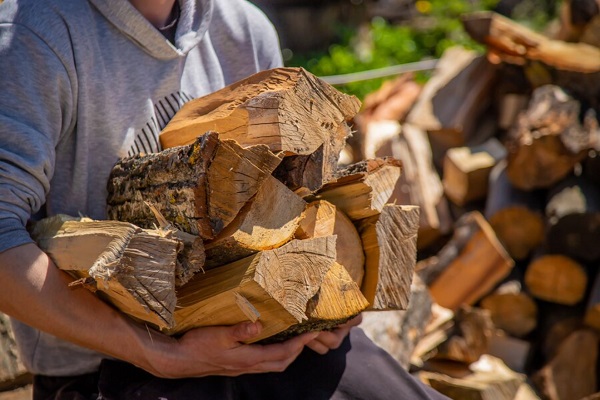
(245, 216)
(501, 153)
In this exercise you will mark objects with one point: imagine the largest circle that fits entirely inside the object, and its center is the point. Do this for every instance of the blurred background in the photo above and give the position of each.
(331, 37)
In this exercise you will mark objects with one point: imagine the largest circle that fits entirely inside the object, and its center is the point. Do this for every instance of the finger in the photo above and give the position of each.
(318, 347)
(244, 331)
(333, 339)
(280, 351)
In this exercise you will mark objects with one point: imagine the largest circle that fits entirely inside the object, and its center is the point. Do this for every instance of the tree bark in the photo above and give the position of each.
(198, 188)
(548, 140)
(132, 268)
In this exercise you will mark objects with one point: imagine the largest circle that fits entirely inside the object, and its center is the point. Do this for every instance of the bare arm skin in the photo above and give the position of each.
(34, 291)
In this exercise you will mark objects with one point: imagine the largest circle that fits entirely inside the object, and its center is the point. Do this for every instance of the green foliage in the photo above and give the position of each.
(381, 44)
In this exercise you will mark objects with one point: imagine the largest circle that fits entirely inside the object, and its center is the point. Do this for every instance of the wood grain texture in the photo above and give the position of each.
(362, 189)
(322, 218)
(132, 268)
(12, 371)
(279, 283)
(288, 109)
(267, 221)
(198, 188)
(390, 244)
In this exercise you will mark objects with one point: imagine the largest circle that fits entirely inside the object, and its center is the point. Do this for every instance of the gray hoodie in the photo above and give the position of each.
(83, 83)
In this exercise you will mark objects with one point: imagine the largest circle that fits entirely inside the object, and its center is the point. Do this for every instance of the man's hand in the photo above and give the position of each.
(329, 340)
(220, 351)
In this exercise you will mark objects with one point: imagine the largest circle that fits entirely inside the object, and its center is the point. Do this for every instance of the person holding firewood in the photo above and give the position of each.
(84, 83)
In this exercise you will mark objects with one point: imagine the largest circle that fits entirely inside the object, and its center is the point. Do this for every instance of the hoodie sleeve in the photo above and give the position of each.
(35, 100)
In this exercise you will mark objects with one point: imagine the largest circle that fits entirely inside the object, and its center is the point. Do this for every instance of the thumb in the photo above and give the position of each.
(245, 331)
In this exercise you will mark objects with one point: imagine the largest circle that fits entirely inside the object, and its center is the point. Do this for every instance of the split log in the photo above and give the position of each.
(363, 189)
(392, 101)
(467, 170)
(489, 379)
(132, 268)
(390, 104)
(437, 331)
(338, 300)
(322, 218)
(470, 338)
(573, 219)
(514, 313)
(572, 372)
(469, 266)
(515, 43)
(460, 74)
(273, 286)
(389, 241)
(198, 188)
(420, 185)
(12, 372)
(514, 214)
(288, 109)
(24, 393)
(398, 332)
(548, 140)
(557, 279)
(267, 221)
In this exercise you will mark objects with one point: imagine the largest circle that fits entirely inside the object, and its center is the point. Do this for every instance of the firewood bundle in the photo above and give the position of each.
(245, 215)
(507, 181)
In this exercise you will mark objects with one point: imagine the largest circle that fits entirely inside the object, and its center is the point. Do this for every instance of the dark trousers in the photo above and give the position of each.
(357, 370)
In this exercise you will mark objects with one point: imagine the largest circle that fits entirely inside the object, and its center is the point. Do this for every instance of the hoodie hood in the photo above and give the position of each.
(193, 22)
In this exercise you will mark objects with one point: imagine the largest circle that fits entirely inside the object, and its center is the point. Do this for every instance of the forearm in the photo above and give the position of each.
(34, 291)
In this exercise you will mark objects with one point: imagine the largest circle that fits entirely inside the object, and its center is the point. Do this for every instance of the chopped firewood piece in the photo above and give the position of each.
(322, 218)
(389, 241)
(489, 379)
(399, 331)
(548, 139)
(421, 185)
(514, 313)
(132, 268)
(338, 300)
(467, 170)
(198, 188)
(556, 278)
(363, 188)
(469, 266)
(573, 218)
(288, 109)
(266, 222)
(470, 337)
(514, 214)
(278, 283)
(571, 374)
(460, 74)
